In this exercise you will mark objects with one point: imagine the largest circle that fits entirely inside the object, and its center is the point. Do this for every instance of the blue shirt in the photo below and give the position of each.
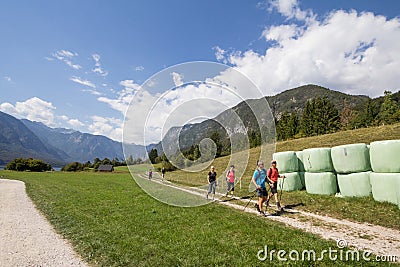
(260, 177)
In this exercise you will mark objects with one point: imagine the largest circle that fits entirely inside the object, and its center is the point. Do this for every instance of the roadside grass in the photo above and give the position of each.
(111, 222)
(355, 209)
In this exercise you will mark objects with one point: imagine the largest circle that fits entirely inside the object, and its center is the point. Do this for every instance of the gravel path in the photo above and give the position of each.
(26, 237)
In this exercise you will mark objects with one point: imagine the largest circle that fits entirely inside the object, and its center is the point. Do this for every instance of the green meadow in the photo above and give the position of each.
(111, 221)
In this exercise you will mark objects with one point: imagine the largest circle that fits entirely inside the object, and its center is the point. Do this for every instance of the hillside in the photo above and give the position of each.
(292, 100)
(16, 140)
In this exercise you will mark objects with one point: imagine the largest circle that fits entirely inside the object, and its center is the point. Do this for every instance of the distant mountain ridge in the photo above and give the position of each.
(57, 146)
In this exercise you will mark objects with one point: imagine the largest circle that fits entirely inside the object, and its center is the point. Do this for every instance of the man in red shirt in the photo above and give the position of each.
(273, 175)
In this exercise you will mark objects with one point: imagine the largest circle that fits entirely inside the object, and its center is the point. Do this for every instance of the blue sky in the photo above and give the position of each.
(77, 64)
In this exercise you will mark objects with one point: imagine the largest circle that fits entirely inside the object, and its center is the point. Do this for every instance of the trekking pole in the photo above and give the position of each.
(255, 192)
(281, 186)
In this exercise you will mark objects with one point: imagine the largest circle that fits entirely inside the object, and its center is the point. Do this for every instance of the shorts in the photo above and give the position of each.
(262, 192)
(231, 186)
(274, 190)
(211, 187)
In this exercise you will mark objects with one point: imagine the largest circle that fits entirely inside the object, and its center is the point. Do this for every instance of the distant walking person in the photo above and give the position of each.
(162, 173)
(150, 174)
(212, 182)
(230, 179)
(273, 175)
(259, 178)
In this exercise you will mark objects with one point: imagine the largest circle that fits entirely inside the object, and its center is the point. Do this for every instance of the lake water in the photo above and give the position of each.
(57, 169)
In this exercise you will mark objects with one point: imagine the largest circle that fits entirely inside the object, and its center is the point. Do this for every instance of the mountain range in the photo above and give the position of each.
(57, 146)
(292, 100)
(24, 138)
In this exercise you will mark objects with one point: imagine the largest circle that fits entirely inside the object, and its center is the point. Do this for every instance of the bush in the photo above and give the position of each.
(73, 167)
(34, 165)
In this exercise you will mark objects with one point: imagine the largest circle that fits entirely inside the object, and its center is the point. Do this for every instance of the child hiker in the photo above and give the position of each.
(230, 179)
(273, 175)
(259, 178)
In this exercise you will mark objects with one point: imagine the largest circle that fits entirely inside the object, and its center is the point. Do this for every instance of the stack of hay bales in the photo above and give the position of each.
(385, 178)
(287, 164)
(319, 176)
(352, 165)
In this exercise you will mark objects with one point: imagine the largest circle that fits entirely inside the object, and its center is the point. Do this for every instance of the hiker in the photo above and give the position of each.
(150, 174)
(273, 175)
(162, 173)
(259, 178)
(230, 179)
(212, 182)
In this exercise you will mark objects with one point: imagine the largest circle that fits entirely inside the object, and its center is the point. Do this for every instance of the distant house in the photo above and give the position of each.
(106, 168)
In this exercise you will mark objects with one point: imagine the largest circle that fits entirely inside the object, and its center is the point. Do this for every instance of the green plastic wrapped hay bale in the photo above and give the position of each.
(286, 161)
(323, 183)
(385, 186)
(317, 160)
(350, 158)
(354, 184)
(291, 182)
(385, 156)
(299, 155)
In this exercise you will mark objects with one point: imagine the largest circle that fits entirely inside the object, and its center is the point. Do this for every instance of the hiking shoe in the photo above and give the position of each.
(257, 207)
(278, 204)
(207, 196)
(262, 213)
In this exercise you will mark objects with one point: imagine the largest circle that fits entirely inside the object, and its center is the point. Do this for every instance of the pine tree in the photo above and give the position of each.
(388, 109)
(319, 117)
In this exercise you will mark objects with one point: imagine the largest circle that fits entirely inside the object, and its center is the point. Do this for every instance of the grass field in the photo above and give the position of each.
(112, 222)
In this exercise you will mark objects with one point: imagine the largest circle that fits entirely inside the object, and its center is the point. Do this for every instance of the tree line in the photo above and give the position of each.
(320, 116)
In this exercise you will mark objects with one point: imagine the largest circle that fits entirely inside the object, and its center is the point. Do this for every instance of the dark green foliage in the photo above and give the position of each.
(153, 154)
(389, 111)
(217, 140)
(254, 139)
(34, 165)
(73, 167)
(320, 117)
(287, 126)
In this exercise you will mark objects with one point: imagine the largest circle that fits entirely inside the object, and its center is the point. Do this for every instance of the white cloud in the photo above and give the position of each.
(124, 96)
(220, 54)
(97, 66)
(110, 127)
(8, 78)
(66, 57)
(291, 10)
(178, 78)
(139, 68)
(75, 123)
(34, 109)
(93, 92)
(355, 53)
(82, 81)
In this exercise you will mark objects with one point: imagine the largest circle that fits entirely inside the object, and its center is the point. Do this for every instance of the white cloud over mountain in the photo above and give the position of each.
(354, 52)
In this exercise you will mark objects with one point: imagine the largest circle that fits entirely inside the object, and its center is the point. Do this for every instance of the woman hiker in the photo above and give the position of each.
(212, 182)
(230, 179)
